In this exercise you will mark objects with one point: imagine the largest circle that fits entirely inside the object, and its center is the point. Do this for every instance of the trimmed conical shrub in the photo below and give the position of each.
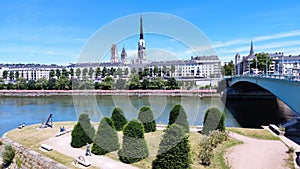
(118, 118)
(178, 116)
(83, 132)
(106, 138)
(174, 149)
(214, 119)
(146, 116)
(134, 147)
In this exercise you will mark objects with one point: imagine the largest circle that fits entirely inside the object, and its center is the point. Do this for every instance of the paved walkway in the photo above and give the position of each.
(257, 154)
(62, 145)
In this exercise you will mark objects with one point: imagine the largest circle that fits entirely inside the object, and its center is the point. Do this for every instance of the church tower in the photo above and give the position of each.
(124, 56)
(141, 44)
(251, 49)
(114, 54)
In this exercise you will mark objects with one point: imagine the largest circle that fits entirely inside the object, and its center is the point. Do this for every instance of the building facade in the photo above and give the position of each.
(279, 64)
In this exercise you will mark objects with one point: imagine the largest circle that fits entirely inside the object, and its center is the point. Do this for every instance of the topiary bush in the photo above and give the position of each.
(178, 116)
(214, 119)
(8, 154)
(134, 147)
(174, 149)
(106, 138)
(146, 116)
(118, 118)
(83, 132)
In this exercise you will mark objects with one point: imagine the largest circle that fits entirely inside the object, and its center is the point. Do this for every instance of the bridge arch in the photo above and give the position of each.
(287, 91)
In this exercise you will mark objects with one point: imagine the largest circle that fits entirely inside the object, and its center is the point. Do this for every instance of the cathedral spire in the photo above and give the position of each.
(251, 49)
(141, 28)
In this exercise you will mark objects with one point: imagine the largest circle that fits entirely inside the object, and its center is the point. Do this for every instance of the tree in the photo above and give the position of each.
(146, 116)
(157, 83)
(31, 84)
(112, 71)
(155, 71)
(84, 72)
(262, 61)
(104, 72)
(71, 72)
(228, 69)
(178, 116)
(41, 83)
(106, 138)
(120, 84)
(107, 83)
(64, 73)
(17, 74)
(172, 70)
(57, 73)
(11, 75)
(172, 84)
(119, 119)
(164, 70)
(174, 149)
(62, 83)
(133, 71)
(146, 72)
(140, 73)
(145, 84)
(51, 83)
(5, 74)
(134, 82)
(214, 119)
(83, 132)
(119, 72)
(134, 147)
(78, 73)
(21, 84)
(98, 72)
(91, 72)
(51, 73)
(126, 71)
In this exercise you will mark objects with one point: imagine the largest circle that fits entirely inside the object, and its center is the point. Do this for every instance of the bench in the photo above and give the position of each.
(82, 161)
(46, 147)
(63, 132)
(60, 133)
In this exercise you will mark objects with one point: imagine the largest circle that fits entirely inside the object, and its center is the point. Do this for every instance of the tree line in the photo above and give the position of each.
(105, 79)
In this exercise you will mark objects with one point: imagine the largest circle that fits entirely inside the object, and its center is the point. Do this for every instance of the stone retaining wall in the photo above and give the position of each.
(30, 158)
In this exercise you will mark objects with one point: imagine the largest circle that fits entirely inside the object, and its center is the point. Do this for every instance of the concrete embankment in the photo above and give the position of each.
(198, 93)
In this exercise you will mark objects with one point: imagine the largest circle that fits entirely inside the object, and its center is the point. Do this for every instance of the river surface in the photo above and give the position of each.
(34, 110)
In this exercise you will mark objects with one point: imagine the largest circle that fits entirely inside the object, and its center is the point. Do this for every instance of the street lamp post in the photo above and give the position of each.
(267, 65)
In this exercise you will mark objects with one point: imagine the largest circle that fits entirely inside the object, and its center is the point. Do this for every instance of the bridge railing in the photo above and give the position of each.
(281, 77)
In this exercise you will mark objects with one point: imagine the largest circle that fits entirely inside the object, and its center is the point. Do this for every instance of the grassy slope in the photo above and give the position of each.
(254, 133)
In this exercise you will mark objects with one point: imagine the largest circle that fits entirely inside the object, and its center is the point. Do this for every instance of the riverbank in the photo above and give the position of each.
(140, 93)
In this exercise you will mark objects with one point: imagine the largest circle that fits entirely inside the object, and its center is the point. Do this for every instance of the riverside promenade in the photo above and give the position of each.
(198, 93)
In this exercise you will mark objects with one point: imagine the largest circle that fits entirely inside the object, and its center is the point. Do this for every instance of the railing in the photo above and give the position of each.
(281, 77)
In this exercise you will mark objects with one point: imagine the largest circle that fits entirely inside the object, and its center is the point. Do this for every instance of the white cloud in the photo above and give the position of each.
(280, 35)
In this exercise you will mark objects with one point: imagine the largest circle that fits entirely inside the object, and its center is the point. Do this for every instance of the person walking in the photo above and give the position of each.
(88, 149)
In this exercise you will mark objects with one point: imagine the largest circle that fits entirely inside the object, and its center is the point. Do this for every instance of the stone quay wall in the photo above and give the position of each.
(29, 158)
(33, 93)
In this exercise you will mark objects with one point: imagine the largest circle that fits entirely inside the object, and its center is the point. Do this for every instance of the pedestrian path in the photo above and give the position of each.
(62, 145)
(254, 153)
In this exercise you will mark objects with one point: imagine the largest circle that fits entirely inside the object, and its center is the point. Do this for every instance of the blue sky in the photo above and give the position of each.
(44, 31)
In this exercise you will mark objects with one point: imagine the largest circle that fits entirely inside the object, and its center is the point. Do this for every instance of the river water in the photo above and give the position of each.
(32, 110)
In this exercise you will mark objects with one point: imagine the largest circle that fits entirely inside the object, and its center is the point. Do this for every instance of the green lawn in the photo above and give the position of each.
(31, 137)
(254, 133)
